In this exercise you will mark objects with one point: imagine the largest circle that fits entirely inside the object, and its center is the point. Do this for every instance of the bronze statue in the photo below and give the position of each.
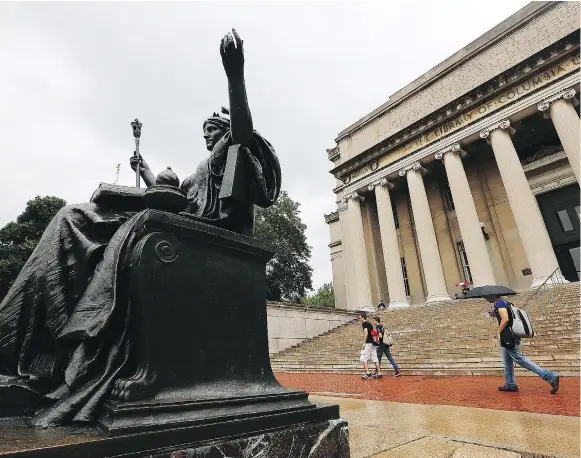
(65, 325)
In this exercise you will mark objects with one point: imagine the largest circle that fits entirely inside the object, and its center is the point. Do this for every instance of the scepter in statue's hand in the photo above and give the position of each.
(136, 125)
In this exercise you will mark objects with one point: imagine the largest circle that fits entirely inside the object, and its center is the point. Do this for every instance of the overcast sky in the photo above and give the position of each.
(74, 75)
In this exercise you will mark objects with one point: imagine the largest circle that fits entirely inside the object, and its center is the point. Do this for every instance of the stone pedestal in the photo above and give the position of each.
(201, 383)
(268, 437)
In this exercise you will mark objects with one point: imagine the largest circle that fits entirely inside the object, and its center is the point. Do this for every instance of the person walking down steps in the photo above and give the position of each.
(384, 347)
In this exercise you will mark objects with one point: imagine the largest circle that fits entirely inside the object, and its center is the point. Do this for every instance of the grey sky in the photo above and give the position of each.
(74, 75)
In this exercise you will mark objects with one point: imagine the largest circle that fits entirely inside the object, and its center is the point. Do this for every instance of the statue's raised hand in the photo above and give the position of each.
(134, 160)
(232, 52)
(144, 169)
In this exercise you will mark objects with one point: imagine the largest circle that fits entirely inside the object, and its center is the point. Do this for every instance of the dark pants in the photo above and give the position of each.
(383, 348)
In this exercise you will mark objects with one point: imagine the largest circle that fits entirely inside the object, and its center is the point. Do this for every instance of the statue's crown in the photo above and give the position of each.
(223, 111)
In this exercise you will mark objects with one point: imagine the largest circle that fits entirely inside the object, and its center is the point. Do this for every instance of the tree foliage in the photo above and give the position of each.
(19, 238)
(324, 297)
(288, 274)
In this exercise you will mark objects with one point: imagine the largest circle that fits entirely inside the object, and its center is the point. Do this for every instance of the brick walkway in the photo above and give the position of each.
(479, 391)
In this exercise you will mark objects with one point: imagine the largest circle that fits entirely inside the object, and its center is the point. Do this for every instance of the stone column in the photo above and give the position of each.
(428, 245)
(478, 258)
(391, 254)
(360, 281)
(528, 218)
(560, 108)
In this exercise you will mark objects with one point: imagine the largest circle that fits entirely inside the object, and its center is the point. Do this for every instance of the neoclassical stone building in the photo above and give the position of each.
(470, 172)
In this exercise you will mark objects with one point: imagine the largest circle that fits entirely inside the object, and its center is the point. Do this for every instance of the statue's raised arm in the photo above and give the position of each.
(232, 52)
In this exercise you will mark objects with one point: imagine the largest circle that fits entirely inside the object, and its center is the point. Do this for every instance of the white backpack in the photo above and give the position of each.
(522, 326)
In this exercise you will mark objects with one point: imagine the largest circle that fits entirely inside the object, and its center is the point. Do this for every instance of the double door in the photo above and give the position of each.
(560, 210)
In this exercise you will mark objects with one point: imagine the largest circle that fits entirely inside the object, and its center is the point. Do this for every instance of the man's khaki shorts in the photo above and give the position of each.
(369, 353)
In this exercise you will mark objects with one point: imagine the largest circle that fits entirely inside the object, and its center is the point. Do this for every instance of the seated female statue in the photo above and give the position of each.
(64, 324)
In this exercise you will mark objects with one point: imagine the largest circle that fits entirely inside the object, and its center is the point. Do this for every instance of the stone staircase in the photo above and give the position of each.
(450, 338)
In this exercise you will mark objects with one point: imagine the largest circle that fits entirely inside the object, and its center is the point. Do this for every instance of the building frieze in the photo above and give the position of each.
(457, 137)
(503, 90)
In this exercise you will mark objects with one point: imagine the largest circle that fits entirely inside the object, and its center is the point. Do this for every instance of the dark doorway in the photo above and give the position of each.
(560, 210)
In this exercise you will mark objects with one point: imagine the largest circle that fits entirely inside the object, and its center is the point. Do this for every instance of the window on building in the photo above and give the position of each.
(395, 218)
(464, 260)
(448, 199)
(404, 271)
(566, 223)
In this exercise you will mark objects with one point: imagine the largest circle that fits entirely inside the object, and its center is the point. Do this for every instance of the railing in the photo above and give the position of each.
(547, 293)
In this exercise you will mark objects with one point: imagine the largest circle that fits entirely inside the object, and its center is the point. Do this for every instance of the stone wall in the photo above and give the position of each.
(290, 325)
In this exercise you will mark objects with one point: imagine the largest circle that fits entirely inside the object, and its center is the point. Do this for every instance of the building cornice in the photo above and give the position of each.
(332, 217)
(536, 64)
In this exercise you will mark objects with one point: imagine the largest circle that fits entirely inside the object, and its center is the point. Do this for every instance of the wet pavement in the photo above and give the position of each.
(383, 429)
(481, 391)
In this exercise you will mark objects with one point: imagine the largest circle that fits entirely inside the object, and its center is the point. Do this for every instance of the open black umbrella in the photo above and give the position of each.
(491, 290)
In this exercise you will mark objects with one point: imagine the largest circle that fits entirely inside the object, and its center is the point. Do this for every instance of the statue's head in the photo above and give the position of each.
(215, 127)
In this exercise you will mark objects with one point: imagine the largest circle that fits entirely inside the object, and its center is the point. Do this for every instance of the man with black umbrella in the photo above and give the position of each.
(510, 344)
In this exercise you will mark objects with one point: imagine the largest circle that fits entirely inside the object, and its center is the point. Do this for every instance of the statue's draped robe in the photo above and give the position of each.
(65, 323)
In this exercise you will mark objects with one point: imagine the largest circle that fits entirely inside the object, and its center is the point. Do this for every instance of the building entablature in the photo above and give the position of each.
(536, 72)
(538, 87)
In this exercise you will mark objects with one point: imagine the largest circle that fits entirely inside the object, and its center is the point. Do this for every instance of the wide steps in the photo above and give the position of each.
(452, 338)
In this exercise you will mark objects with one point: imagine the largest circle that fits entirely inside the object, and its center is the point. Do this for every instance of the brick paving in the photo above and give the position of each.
(464, 391)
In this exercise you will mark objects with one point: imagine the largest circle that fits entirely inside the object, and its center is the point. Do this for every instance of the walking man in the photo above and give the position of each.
(512, 353)
(384, 347)
(368, 350)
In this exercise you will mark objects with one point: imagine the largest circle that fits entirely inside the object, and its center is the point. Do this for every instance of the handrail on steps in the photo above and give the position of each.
(556, 281)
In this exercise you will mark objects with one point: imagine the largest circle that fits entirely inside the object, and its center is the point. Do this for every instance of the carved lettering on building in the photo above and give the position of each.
(479, 112)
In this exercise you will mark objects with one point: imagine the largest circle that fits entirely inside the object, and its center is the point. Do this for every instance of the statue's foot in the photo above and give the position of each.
(140, 386)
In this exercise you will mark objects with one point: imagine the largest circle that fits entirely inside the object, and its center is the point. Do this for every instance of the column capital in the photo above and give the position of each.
(503, 125)
(568, 94)
(416, 167)
(380, 182)
(456, 148)
(354, 196)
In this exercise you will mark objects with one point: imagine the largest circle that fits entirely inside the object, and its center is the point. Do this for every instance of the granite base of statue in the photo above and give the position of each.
(137, 327)
(202, 384)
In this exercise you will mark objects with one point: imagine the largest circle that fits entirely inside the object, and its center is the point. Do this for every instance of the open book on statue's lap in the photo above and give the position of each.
(122, 198)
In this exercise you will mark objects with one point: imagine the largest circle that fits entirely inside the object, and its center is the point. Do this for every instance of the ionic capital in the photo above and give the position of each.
(568, 94)
(455, 149)
(503, 125)
(416, 167)
(381, 182)
(354, 196)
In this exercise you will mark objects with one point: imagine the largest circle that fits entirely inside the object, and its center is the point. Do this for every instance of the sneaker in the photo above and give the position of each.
(367, 376)
(555, 385)
(397, 373)
(511, 389)
(377, 376)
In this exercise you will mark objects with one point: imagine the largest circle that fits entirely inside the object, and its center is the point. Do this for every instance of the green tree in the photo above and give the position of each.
(19, 238)
(288, 274)
(324, 297)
